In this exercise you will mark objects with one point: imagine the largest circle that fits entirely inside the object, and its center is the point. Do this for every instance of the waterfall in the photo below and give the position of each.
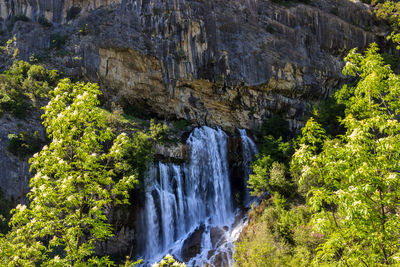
(207, 174)
(249, 149)
(163, 216)
(192, 201)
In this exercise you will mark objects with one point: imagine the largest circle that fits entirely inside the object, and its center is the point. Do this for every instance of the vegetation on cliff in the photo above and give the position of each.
(23, 85)
(349, 182)
(78, 178)
(355, 200)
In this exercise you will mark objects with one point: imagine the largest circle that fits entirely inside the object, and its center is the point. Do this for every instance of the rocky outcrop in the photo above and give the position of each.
(57, 11)
(192, 245)
(217, 236)
(220, 68)
(171, 151)
(119, 244)
(228, 63)
(14, 171)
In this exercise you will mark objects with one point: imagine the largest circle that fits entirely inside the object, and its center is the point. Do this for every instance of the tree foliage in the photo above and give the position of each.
(350, 181)
(24, 143)
(23, 84)
(73, 187)
(270, 167)
(388, 11)
(5, 207)
(277, 236)
(168, 261)
(356, 197)
(327, 113)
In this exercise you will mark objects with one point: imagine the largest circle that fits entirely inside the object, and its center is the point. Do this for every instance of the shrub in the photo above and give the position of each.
(270, 176)
(258, 182)
(15, 102)
(390, 59)
(24, 143)
(277, 237)
(52, 77)
(22, 84)
(114, 119)
(33, 58)
(169, 261)
(57, 40)
(37, 72)
(270, 171)
(83, 30)
(275, 126)
(327, 113)
(181, 124)
(44, 22)
(19, 69)
(278, 149)
(279, 179)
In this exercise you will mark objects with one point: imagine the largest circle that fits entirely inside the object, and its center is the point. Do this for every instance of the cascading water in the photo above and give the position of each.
(193, 200)
(249, 149)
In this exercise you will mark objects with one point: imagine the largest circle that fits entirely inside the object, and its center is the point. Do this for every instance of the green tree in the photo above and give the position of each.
(24, 143)
(269, 169)
(168, 261)
(259, 181)
(356, 198)
(327, 112)
(73, 187)
(277, 236)
(5, 207)
(276, 126)
(23, 84)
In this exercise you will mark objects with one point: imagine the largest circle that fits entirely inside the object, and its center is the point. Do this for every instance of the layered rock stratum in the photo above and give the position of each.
(228, 63)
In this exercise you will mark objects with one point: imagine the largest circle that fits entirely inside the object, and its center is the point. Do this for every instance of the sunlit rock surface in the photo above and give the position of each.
(226, 63)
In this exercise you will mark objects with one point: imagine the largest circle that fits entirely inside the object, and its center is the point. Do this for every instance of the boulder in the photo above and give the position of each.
(192, 245)
(217, 236)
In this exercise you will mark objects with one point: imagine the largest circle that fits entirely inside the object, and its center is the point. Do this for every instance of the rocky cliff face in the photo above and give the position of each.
(58, 11)
(228, 63)
(14, 171)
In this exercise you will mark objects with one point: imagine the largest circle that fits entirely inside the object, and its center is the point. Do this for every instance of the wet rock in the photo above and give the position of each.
(210, 253)
(217, 236)
(222, 259)
(192, 245)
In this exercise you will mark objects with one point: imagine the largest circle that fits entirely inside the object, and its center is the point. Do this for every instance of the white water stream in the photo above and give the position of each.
(249, 149)
(196, 196)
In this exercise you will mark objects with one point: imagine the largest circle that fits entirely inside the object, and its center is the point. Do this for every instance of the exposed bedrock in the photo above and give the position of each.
(227, 63)
(14, 170)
